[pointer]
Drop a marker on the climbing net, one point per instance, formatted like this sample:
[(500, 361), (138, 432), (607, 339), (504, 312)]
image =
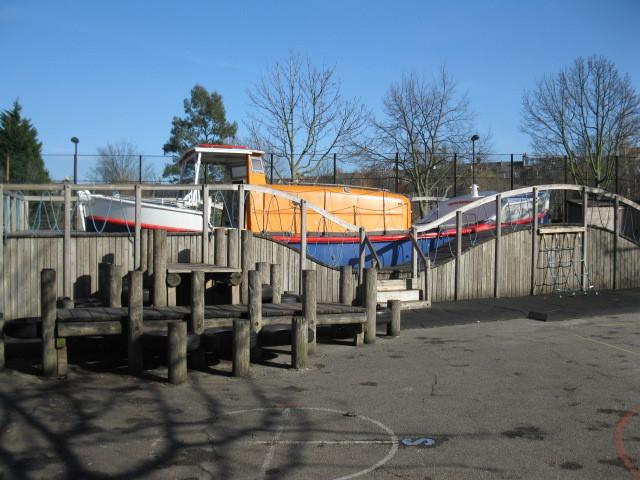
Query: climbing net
[(561, 264)]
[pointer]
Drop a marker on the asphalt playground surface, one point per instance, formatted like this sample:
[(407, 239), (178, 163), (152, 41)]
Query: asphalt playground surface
[(469, 390)]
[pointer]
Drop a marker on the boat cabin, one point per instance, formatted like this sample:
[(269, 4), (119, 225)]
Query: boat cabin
[(211, 163)]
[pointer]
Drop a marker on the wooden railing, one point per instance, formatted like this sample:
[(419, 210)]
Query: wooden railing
[(137, 189), (584, 191)]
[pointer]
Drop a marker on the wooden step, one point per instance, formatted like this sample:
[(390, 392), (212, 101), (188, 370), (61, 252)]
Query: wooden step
[(402, 295), (395, 284)]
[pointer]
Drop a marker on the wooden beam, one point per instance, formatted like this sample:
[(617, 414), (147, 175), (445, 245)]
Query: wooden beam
[(137, 250), (299, 343), (48, 319), (220, 246), (67, 277), (206, 207), (584, 274), (346, 285), (160, 268), (371, 292), (177, 352), (276, 283), (310, 305), (135, 325), (196, 322), (241, 348), (393, 327)]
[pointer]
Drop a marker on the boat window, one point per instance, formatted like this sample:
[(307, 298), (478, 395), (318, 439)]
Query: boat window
[(187, 175), (256, 165), (239, 172)]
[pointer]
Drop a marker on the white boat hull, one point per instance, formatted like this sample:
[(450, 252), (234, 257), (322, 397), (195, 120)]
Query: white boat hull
[(514, 210), (118, 213)]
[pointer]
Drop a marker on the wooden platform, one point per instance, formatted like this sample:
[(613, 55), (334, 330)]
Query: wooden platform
[(86, 321)]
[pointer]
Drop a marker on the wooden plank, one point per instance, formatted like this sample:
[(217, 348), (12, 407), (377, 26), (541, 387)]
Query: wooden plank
[(81, 329)]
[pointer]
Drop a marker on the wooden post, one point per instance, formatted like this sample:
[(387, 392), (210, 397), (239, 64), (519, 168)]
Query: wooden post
[(137, 254), (299, 343), (616, 238), (114, 286), (67, 280), (361, 258), (103, 283), (427, 280), (241, 348), (2, 362), (48, 318), (263, 268), (160, 268), (247, 264), (206, 207), (303, 241), (135, 325), (196, 319), (144, 247), (498, 248), (310, 305), (233, 254), (241, 207), (220, 247), (346, 285), (177, 352), (255, 300), (371, 291), (12, 220), (534, 239), (585, 221), (458, 260), (232, 248), (414, 257), (150, 256), (276, 283), (393, 327)]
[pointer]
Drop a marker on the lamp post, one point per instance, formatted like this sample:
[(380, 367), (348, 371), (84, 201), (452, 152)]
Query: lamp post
[(75, 141), (473, 158)]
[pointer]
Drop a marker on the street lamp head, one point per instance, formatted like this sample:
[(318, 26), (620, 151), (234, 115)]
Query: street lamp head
[(475, 137), (75, 140)]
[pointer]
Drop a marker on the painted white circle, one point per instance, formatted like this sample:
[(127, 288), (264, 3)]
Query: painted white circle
[(391, 439)]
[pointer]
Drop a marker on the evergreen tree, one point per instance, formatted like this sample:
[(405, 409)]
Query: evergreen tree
[(205, 121), (20, 150)]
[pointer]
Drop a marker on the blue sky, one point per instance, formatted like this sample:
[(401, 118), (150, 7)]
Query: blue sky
[(120, 69)]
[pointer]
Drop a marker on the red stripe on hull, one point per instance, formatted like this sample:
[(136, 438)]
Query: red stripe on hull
[(151, 226)]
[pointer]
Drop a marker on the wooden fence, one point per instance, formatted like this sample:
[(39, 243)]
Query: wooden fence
[(26, 255), (611, 260)]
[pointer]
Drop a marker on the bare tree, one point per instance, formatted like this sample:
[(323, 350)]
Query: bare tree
[(426, 121), (587, 112), (301, 116), (120, 163)]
